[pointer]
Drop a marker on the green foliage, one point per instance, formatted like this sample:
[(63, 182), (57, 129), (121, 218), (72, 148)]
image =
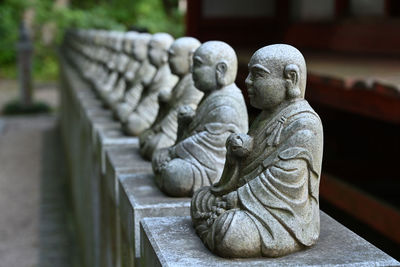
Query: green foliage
[(15, 108), (10, 13), (98, 14), (151, 14)]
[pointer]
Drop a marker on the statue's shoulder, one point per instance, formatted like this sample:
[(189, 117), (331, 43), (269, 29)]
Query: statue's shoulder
[(231, 91), (302, 112), (230, 95)]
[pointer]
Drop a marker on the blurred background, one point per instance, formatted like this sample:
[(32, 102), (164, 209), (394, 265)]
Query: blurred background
[(47, 20), (352, 49)]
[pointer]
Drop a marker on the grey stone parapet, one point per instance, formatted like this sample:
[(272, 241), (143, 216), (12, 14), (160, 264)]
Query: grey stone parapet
[(172, 241), (122, 218), (140, 198), (112, 185)]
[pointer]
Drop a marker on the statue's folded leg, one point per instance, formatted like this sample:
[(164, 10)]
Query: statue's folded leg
[(177, 178), (153, 142), (136, 124), (123, 111), (234, 234)]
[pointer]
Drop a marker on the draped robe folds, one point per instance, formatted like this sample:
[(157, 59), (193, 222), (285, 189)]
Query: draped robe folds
[(135, 82), (120, 86), (218, 115), (146, 111), (164, 130), (277, 190), (112, 75)]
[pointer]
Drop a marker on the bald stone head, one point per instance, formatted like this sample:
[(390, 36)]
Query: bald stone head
[(180, 55), (277, 73), (116, 41), (158, 48), (214, 66), (129, 38), (140, 46)]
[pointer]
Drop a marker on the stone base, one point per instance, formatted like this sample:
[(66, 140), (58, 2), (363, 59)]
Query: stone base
[(123, 160), (110, 135), (172, 241), (120, 159), (110, 146), (141, 198)]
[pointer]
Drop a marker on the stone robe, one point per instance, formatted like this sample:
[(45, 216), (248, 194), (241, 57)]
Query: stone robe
[(277, 190), (164, 130), (146, 111), (126, 65), (135, 82), (202, 146)]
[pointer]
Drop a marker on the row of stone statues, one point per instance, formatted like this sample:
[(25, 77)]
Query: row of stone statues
[(254, 190)]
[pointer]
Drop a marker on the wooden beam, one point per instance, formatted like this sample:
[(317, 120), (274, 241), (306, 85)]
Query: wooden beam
[(193, 17), (341, 8), (373, 212), (378, 103)]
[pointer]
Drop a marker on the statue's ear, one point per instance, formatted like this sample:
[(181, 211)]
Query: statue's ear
[(292, 74), (221, 69)]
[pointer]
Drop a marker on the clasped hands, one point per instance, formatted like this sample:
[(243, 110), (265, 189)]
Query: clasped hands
[(162, 157), (219, 206)]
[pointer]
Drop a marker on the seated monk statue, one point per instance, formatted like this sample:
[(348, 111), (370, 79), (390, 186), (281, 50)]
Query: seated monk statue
[(138, 80), (115, 42), (198, 156), (126, 64), (163, 81), (266, 201), (164, 130)]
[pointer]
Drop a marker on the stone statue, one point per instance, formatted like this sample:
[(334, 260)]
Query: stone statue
[(266, 202), (127, 66), (138, 80), (198, 157), (164, 130), (163, 81), (115, 42)]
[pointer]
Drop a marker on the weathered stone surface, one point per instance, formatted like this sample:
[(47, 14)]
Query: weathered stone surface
[(116, 44), (198, 157), (137, 81), (124, 159), (120, 159), (81, 108), (266, 201), (111, 135), (163, 81), (109, 138), (140, 198), (126, 64), (172, 241), (164, 130)]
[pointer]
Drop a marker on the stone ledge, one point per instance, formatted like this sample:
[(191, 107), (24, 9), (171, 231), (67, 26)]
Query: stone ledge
[(110, 135), (140, 198), (123, 159), (172, 241)]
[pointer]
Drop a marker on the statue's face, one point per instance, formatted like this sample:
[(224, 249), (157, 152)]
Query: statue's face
[(118, 43), (139, 50), (156, 53), (265, 84), (178, 60), (204, 73), (127, 45)]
